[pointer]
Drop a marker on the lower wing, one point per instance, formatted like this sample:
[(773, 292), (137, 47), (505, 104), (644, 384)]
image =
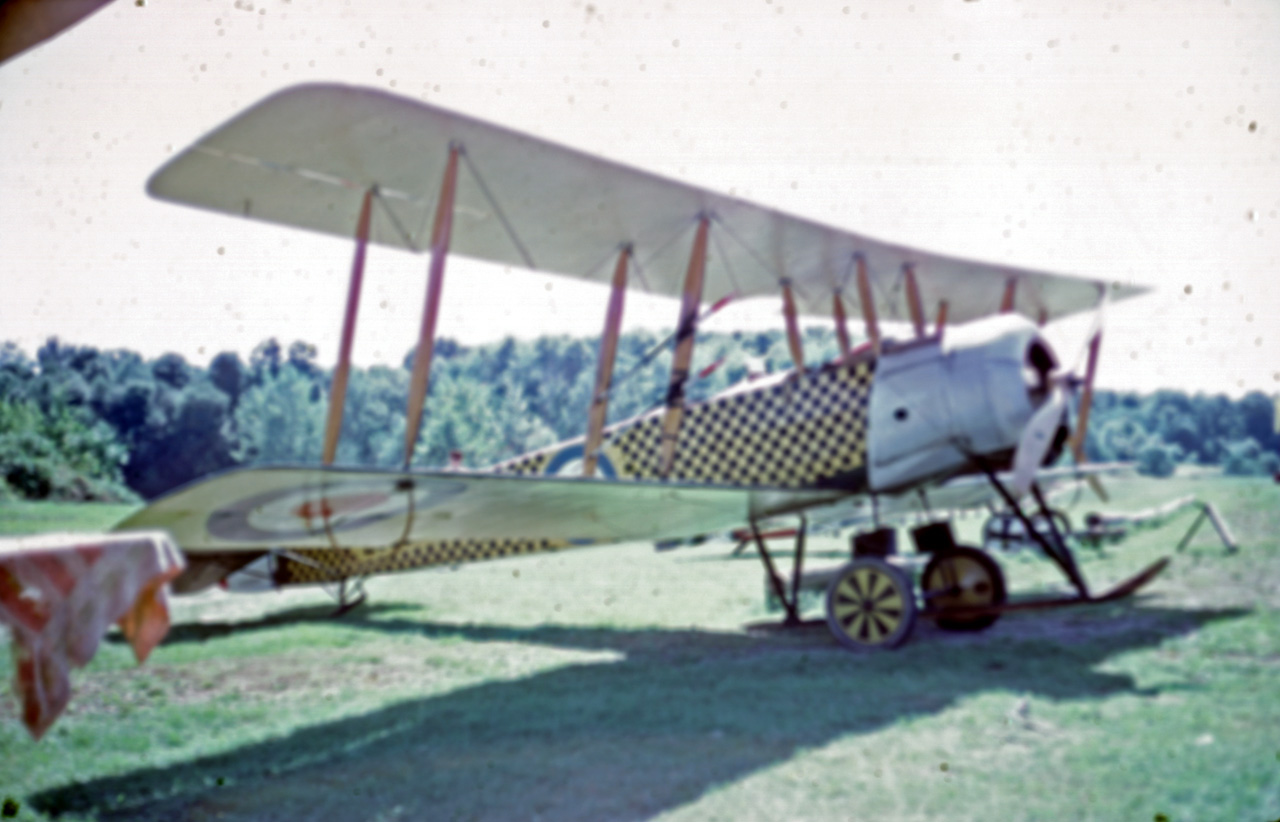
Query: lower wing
[(257, 509)]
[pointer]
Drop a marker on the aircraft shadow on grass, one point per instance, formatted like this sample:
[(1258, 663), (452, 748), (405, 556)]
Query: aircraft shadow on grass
[(681, 713)]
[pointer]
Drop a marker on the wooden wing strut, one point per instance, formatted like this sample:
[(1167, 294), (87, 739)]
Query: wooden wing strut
[(793, 325), (338, 392), (1010, 294), (842, 325), (913, 299), (685, 332), (868, 305), (599, 409), (440, 233)]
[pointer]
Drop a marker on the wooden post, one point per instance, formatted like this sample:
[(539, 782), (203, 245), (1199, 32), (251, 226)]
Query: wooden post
[(842, 325), (913, 299), (941, 322), (338, 391), (599, 408), (685, 331), (1010, 292), (868, 305), (440, 233), (793, 325)]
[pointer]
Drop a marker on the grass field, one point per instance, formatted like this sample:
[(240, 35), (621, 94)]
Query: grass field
[(617, 683)]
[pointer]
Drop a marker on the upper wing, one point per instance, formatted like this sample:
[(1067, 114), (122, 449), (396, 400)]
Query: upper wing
[(261, 508), (305, 156)]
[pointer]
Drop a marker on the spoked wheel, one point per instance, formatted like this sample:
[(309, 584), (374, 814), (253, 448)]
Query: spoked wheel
[(870, 604), (963, 578)]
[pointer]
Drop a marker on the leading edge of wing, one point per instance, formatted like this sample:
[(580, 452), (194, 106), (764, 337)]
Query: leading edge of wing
[(304, 157), (287, 507)]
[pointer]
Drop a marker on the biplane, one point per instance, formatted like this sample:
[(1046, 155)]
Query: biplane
[(966, 404)]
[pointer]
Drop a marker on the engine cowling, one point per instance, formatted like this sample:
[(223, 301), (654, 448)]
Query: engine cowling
[(938, 402)]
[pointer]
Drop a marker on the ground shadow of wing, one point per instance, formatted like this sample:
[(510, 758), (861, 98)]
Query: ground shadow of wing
[(202, 631), (623, 739)]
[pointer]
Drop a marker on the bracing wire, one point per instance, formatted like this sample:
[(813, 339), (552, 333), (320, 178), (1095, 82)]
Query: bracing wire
[(497, 209)]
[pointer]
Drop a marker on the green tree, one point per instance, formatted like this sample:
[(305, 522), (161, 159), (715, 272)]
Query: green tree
[(1157, 458), (59, 453), (279, 420), (1246, 458)]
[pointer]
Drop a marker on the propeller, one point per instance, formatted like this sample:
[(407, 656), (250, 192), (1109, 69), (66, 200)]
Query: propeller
[(1041, 433), (1036, 440)]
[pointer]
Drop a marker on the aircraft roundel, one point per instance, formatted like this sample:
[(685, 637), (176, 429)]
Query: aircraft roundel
[(568, 463), (307, 510)]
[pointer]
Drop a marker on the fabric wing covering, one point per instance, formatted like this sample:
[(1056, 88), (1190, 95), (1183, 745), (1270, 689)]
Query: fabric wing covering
[(305, 156)]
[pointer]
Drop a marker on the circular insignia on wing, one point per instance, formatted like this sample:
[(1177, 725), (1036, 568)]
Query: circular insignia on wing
[(307, 510), (568, 463)]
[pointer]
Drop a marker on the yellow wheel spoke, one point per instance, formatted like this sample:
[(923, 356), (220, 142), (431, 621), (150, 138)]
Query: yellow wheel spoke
[(889, 594), (843, 610), (871, 631), (870, 604), (864, 580)]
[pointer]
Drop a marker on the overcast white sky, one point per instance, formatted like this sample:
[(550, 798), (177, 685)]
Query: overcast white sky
[(1132, 141)]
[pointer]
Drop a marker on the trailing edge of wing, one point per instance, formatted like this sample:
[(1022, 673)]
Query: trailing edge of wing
[(305, 156)]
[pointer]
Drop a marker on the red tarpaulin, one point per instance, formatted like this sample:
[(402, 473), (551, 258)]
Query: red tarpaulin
[(59, 593)]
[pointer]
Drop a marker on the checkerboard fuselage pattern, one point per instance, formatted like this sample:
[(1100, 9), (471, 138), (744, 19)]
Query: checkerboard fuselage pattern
[(809, 430), (321, 565)]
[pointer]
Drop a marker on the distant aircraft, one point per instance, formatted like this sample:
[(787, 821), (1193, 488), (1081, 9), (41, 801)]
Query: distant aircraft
[(966, 408)]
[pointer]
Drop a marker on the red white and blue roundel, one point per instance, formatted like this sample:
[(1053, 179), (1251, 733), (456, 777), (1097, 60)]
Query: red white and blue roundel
[(340, 505)]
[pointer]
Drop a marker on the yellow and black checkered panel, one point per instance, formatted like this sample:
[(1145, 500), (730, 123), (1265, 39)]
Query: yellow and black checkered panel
[(808, 430), (320, 565), (528, 465)]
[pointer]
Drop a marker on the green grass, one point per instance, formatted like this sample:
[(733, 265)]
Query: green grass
[(618, 683), (39, 517)]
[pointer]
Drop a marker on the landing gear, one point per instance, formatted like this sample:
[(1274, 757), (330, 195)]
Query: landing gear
[(1005, 531), (350, 595), (870, 604), (963, 578)]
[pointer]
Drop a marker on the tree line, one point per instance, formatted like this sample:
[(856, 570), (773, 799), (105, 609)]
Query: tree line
[(80, 423)]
